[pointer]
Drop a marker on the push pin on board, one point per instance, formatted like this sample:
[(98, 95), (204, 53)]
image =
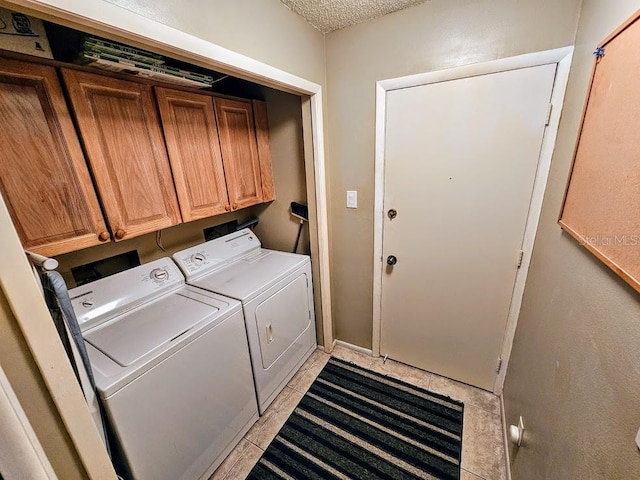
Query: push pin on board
[(599, 52)]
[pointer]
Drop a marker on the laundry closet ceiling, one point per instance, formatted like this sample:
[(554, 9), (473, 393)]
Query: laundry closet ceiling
[(329, 15)]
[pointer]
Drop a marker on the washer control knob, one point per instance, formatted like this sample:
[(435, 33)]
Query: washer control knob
[(159, 274), (198, 259), (87, 303)]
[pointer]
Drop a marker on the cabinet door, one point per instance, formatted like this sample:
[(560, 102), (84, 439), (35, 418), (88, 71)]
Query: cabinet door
[(189, 125), (43, 175), (239, 152), (264, 151), (121, 132)]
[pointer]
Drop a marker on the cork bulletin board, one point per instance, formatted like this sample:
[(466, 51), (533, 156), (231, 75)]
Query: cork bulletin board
[(601, 208)]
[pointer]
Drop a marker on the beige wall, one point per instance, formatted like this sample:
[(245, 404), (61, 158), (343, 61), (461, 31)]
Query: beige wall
[(262, 29), (278, 229), (431, 36), (574, 371)]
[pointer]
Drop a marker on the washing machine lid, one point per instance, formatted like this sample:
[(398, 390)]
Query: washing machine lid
[(137, 334), (250, 275)]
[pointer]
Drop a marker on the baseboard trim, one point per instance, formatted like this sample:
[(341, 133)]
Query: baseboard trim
[(353, 347), (505, 438)]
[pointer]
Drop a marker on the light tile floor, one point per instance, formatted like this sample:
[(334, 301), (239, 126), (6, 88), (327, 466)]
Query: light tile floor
[(483, 456)]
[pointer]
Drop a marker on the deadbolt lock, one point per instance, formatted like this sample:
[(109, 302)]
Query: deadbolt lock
[(392, 260), (392, 213)]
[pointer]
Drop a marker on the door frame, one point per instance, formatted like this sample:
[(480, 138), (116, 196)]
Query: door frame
[(560, 56)]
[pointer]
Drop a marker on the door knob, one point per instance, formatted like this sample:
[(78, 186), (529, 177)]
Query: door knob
[(392, 260), (392, 213)]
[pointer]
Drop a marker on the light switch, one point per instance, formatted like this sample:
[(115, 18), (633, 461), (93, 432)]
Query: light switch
[(352, 199)]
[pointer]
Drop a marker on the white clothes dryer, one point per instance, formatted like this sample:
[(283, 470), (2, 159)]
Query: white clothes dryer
[(172, 366), (276, 292)]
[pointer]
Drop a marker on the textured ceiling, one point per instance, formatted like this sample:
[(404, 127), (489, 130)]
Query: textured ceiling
[(329, 15)]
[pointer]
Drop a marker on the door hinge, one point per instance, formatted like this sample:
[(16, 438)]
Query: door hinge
[(549, 110), (520, 257), (499, 365)]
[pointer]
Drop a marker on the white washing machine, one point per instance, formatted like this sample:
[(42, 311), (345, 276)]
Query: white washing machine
[(172, 366), (276, 292)]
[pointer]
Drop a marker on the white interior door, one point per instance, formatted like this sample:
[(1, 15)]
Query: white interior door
[(460, 164)]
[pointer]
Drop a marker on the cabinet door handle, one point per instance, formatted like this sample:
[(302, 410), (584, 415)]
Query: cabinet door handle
[(235, 206), (104, 236), (227, 208), (120, 234)]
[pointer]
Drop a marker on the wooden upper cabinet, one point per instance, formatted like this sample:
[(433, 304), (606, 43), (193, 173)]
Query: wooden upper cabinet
[(264, 151), (239, 151), (43, 175), (189, 124), (121, 131)]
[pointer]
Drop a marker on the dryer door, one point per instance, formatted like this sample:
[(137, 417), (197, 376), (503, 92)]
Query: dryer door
[(281, 318)]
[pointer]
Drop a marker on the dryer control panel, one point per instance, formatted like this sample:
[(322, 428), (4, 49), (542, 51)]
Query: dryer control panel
[(103, 299), (216, 253)]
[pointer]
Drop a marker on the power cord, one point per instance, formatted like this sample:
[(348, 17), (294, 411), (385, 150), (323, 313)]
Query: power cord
[(159, 240)]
